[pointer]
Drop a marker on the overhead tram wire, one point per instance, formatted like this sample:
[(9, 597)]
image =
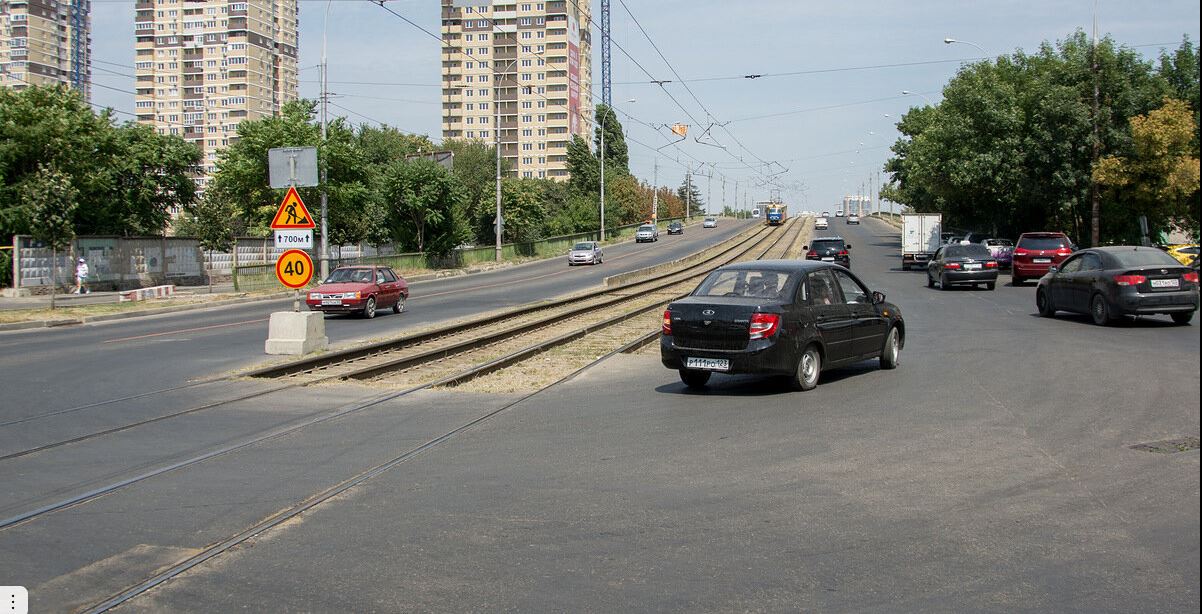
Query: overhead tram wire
[(710, 116)]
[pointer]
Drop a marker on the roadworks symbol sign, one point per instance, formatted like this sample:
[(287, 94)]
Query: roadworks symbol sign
[(292, 213)]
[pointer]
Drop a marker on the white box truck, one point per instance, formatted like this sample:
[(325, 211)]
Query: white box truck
[(920, 238)]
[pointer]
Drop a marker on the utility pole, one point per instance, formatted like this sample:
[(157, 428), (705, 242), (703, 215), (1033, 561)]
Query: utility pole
[(602, 153), (325, 101), (736, 198), (724, 207), (709, 190), (688, 192), (498, 222), (655, 194)]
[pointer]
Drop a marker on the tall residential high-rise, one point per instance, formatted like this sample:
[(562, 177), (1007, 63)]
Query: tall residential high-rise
[(204, 66), (520, 72), (46, 42)]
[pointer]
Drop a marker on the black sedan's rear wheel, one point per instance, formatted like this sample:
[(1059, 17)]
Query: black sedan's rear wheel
[(369, 308), (891, 353), (930, 280), (805, 376), (943, 282), (990, 285), (695, 380), (1100, 311), (1183, 317)]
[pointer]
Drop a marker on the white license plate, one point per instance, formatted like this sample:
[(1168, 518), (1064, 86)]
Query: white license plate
[(709, 364), (331, 302), (972, 267), (1165, 283), (1041, 260), (828, 259)]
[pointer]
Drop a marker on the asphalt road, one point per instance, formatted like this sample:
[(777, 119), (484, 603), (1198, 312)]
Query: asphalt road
[(48, 369), (991, 471)]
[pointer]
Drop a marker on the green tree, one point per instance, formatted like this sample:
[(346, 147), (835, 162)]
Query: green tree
[(524, 206), (52, 200), (475, 166), (583, 167), (241, 179), (131, 177), (1159, 179), (688, 192), (616, 154), (423, 203)]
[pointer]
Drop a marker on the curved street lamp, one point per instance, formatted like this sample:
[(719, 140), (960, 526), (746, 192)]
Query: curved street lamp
[(909, 93), (948, 41)]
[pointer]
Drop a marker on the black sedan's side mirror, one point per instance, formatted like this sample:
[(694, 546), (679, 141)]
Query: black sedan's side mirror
[(877, 298), (847, 245), (1053, 269), (805, 247)]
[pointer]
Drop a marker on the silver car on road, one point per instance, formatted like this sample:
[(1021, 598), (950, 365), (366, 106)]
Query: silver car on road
[(585, 252)]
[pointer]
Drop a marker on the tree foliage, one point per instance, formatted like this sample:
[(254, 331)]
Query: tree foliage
[(423, 206), (1009, 149), (130, 177)]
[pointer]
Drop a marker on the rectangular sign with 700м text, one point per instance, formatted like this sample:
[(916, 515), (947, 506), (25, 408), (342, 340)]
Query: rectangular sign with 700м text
[(294, 239)]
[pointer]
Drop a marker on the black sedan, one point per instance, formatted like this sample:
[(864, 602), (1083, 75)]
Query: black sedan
[(1110, 282), (829, 249), (967, 264), (675, 228), (779, 317)]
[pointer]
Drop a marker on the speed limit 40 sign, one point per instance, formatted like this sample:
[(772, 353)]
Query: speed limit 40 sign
[(294, 268)]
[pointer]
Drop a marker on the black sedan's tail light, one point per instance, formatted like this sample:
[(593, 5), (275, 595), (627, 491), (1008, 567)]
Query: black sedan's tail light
[(1191, 277), (667, 327), (763, 325)]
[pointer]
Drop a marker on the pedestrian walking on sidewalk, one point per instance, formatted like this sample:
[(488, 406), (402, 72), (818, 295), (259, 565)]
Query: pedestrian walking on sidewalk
[(81, 277)]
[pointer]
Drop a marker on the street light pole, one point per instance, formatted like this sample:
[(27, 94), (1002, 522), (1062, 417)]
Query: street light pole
[(602, 153), (325, 98), (496, 114), (909, 93), (948, 41)]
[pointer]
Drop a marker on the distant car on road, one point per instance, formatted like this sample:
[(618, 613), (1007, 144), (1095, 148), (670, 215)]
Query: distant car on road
[(710, 222), (853, 219), (964, 264), (1002, 250), (646, 233), (839, 213), (585, 252), (1185, 253), (829, 249), (1036, 252), (1110, 282), (825, 214), (359, 289), (821, 224), (675, 228), (779, 317)]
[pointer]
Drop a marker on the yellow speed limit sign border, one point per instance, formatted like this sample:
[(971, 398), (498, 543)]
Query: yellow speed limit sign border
[(294, 269)]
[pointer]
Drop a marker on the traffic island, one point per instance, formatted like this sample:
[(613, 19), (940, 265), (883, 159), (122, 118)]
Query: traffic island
[(296, 333)]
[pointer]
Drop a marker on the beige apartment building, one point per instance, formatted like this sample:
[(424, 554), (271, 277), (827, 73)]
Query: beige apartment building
[(520, 72), (204, 66), (46, 42)]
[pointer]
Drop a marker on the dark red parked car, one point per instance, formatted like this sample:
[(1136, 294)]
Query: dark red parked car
[(360, 289), (1036, 252)]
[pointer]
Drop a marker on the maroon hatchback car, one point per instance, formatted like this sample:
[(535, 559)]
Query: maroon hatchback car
[(360, 289), (1036, 252)]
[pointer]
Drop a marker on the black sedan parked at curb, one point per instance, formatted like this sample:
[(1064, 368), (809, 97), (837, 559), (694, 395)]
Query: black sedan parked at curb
[(1111, 282), (779, 317), (967, 264)]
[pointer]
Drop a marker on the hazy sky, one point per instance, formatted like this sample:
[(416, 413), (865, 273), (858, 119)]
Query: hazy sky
[(833, 122)]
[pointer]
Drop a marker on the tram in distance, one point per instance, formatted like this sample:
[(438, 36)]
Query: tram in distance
[(776, 214)]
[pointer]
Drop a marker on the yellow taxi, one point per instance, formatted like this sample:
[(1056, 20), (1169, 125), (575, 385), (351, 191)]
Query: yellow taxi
[(1183, 252)]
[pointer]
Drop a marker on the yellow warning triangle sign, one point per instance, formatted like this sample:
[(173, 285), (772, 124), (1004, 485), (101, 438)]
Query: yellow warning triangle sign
[(292, 213)]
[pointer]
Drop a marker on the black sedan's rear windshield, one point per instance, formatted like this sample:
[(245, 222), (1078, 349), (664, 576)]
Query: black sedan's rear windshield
[(744, 283), (967, 251), (1144, 257), (828, 244)]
